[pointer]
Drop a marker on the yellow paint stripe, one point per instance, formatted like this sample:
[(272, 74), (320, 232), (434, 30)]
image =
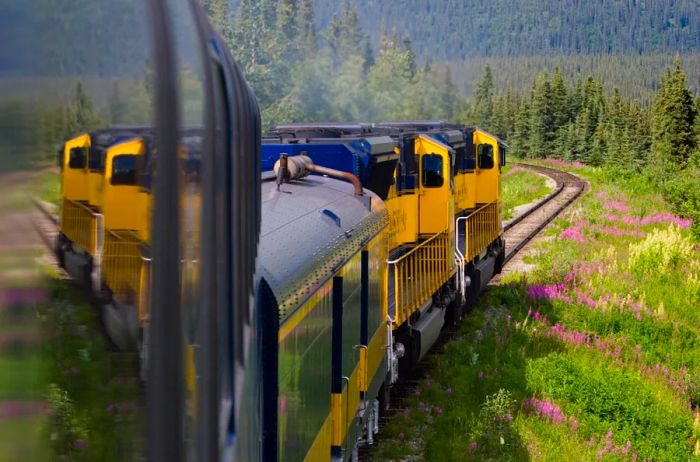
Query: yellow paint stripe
[(336, 419), (288, 326), (320, 450)]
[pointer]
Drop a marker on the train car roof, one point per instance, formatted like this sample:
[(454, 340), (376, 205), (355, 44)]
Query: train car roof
[(321, 129), (309, 229)]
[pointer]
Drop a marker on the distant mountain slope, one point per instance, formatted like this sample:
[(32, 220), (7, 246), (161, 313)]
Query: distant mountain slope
[(457, 29)]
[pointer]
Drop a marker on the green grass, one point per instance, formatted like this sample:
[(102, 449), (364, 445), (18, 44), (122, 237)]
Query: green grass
[(94, 391), (22, 439), (521, 187), (22, 377), (48, 187), (614, 349)]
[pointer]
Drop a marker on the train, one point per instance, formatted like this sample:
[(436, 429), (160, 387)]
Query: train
[(284, 282)]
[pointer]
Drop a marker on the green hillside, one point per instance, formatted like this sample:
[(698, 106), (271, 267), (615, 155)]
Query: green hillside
[(454, 29)]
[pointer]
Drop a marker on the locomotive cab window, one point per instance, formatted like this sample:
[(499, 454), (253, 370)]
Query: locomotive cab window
[(77, 158), (432, 171), (469, 159), (485, 155), (124, 170), (502, 155), (96, 161)]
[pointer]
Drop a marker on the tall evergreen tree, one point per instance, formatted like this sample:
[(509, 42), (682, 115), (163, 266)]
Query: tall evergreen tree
[(483, 99), (674, 113), (118, 108), (560, 109), (307, 28), (288, 30), (85, 116), (219, 12), (542, 129), (345, 36), (519, 141)]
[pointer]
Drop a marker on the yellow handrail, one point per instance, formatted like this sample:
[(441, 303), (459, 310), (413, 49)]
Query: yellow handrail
[(419, 273), (79, 225), (482, 227), (124, 269)]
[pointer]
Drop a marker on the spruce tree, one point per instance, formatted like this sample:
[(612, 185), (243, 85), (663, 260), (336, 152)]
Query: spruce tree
[(85, 117), (118, 108), (287, 30), (483, 99), (307, 28), (542, 129), (559, 100), (519, 141), (219, 12), (674, 114)]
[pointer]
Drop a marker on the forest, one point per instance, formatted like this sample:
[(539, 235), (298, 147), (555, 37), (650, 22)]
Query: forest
[(301, 71), (575, 120), (454, 29)]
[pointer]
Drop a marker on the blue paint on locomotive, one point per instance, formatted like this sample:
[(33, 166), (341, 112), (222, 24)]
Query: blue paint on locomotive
[(372, 159)]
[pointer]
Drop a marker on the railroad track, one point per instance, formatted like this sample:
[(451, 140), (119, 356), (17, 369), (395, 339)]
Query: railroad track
[(518, 233), (45, 222)]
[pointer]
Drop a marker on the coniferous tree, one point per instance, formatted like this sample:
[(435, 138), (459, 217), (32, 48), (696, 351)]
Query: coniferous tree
[(84, 115), (541, 119), (559, 98), (307, 28), (674, 113), (118, 108), (219, 12), (519, 141), (288, 31), (483, 99), (345, 35)]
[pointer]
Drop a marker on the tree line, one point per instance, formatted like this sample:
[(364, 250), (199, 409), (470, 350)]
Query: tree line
[(458, 29), (582, 122)]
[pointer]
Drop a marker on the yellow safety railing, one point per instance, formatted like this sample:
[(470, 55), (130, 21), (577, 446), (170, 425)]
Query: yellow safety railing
[(123, 268), (419, 273), (80, 225), (483, 226)]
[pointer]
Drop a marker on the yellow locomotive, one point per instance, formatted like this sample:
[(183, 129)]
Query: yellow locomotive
[(440, 187), (105, 224), (355, 283)]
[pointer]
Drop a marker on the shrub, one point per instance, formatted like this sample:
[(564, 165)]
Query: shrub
[(496, 432), (692, 387), (660, 252)]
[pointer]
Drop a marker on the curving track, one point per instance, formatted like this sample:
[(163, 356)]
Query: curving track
[(518, 233)]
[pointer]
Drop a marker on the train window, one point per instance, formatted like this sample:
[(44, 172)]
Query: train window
[(502, 155), (432, 171), (96, 160), (124, 170), (470, 159), (78, 158), (485, 152)]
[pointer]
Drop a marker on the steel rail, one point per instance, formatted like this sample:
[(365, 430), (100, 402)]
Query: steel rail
[(538, 206)]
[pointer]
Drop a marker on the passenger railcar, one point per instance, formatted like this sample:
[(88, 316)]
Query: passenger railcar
[(321, 270)]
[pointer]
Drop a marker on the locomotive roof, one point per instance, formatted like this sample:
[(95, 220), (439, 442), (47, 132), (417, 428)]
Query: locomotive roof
[(309, 229)]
